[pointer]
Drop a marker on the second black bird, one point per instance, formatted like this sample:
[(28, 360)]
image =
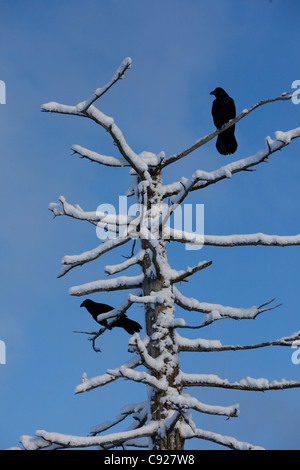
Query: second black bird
[(95, 309), (223, 109)]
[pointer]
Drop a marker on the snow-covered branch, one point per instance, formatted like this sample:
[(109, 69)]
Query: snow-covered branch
[(97, 158), (138, 376), (216, 311), (134, 160), (135, 344), (114, 269), (87, 109), (231, 240), (119, 310), (150, 158), (173, 158), (201, 345), (101, 380), (69, 441), (139, 415), (76, 212), (135, 409), (185, 401), (178, 276), (71, 261), (119, 73), (107, 285), (201, 179), (187, 432), (153, 298), (258, 385)]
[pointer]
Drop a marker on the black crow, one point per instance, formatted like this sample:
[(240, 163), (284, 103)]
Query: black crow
[(95, 309), (223, 109)]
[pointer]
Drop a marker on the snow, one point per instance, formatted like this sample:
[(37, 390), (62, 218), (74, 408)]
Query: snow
[(148, 299), (113, 269), (231, 240), (92, 254), (214, 311), (70, 262), (33, 442), (201, 178), (64, 208), (187, 433), (121, 282), (89, 441), (187, 401), (96, 157), (152, 159), (203, 344), (54, 107), (248, 383), (135, 409), (103, 379), (126, 63)]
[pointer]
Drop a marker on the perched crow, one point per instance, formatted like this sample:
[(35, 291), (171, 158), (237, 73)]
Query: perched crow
[(96, 309), (223, 109)]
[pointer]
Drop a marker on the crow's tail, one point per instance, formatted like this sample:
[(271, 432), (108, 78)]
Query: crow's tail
[(130, 326), (226, 142)]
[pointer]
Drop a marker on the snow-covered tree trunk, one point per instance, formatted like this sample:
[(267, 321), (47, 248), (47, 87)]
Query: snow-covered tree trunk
[(162, 347), (163, 421)]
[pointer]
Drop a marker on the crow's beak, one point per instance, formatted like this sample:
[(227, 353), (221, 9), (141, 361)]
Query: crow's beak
[(213, 93), (81, 305)]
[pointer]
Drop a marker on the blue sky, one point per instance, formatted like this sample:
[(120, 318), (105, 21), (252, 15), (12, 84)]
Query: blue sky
[(62, 51)]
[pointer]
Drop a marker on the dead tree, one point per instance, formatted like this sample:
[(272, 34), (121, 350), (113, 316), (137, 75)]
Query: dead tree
[(164, 420)]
